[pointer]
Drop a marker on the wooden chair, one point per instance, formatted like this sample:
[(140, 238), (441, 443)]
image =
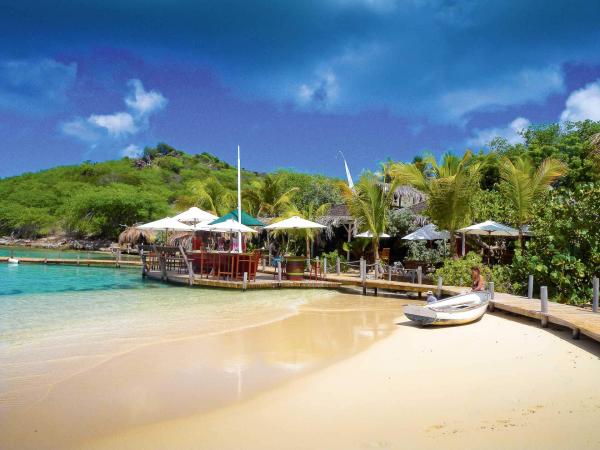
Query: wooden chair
[(226, 263)]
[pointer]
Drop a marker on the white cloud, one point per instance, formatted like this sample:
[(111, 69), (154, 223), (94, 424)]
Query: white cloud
[(583, 104), (132, 151), (511, 132), (142, 101), (35, 86), (80, 129), (529, 85), (320, 93), (118, 125)]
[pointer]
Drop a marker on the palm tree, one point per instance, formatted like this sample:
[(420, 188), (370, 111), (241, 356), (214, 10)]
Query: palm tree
[(209, 195), (268, 197), (449, 185), (369, 202), (522, 184)]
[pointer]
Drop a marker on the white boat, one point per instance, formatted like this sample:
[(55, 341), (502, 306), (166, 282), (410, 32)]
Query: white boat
[(13, 261), (463, 308)]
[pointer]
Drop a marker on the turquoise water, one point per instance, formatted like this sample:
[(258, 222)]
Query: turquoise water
[(41, 278), (32, 252)]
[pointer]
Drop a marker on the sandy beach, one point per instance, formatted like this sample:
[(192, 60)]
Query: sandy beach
[(498, 383), (345, 372)]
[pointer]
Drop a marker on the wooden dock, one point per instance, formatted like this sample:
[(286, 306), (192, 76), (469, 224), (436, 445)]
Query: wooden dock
[(578, 319), (263, 281), (77, 262)]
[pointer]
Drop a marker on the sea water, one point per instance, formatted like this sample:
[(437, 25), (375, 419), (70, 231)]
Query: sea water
[(59, 320)]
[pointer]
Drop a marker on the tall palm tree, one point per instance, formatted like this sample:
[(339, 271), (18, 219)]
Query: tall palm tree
[(522, 184), (449, 185), (268, 197), (369, 202)]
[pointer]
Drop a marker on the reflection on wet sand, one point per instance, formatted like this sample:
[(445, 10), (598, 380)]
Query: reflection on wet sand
[(175, 379)]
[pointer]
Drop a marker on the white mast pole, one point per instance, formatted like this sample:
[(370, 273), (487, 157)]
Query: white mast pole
[(239, 198)]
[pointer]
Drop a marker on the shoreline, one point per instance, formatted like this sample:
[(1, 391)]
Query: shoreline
[(159, 381), (538, 395)]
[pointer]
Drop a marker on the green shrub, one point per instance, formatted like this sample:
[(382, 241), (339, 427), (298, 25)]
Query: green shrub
[(457, 272)]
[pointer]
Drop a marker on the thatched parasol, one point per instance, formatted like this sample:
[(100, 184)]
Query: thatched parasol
[(133, 235)]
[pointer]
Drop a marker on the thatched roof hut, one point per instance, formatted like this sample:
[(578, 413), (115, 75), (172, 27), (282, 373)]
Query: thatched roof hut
[(133, 236)]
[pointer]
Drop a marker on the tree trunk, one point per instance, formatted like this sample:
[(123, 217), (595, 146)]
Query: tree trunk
[(521, 240), (307, 247), (453, 245)]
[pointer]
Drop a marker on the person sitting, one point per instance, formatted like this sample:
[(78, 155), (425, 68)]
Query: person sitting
[(478, 281), (431, 298)]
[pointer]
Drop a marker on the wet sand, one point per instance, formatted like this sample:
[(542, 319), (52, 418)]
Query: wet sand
[(184, 377), (498, 383)]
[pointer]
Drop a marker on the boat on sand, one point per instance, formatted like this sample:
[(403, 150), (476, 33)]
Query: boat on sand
[(456, 310)]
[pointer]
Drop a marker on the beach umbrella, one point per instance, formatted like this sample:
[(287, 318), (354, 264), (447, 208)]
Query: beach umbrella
[(368, 234), (247, 219), (294, 223), (166, 224), (490, 228), (230, 226), (427, 233), (195, 215)]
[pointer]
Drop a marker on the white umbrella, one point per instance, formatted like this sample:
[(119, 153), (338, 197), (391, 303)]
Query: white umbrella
[(427, 233), (368, 234), (195, 215), (166, 224), (488, 228), (230, 226), (294, 223)]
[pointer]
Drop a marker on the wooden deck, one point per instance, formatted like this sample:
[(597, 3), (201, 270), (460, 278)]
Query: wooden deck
[(263, 281), (579, 320), (77, 262)]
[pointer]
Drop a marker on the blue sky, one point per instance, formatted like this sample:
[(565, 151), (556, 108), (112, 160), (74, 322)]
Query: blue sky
[(291, 82)]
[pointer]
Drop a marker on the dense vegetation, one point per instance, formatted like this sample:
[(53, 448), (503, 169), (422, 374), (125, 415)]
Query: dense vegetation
[(96, 200), (550, 182)]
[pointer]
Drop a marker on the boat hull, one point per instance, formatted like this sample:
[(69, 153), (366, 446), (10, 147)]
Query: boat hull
[(457, 310)]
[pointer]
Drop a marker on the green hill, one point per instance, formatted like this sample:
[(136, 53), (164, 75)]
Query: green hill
[(96, 200)]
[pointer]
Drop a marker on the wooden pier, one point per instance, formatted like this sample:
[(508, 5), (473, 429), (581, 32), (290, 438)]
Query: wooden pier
[(581, 321), (77, 262), (263, 281)]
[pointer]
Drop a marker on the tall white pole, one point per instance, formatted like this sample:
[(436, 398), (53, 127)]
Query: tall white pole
[(239, 199)]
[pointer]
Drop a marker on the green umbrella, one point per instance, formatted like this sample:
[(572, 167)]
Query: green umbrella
[(247, 219)]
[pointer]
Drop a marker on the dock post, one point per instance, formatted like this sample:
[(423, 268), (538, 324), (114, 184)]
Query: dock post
[(363, 275), (324, 267), (595, 294), (337, 266), (419, 275), (245, 281), (439, 287), (279, 271), (143, 265), (491, 289), (389, 273), (544, 308), (530, 286)]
